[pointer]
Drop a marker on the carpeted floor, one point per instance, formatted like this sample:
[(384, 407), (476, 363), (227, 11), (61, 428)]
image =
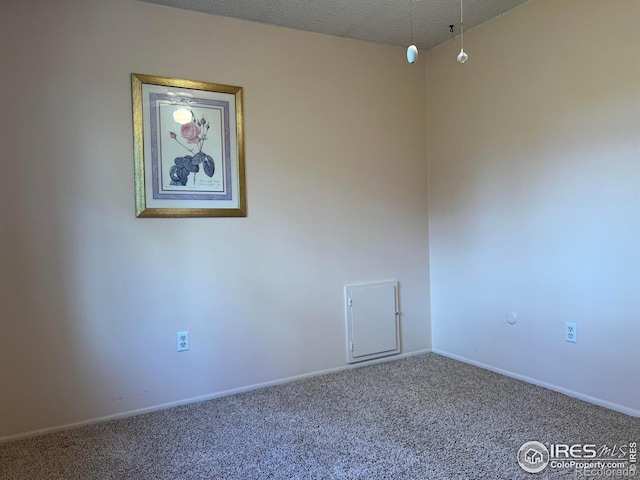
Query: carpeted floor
[(424, 417)]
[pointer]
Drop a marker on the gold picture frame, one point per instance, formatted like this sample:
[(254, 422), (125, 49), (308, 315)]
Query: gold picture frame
[(188, 139)]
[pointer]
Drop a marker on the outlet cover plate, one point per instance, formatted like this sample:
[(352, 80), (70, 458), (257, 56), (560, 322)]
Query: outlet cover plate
[(182, 341), (571, 332)]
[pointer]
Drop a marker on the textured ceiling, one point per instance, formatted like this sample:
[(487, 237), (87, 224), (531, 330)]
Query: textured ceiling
[(379, 21)]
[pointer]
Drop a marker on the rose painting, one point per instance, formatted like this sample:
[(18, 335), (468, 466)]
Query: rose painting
[(195, 133), (189, 147)]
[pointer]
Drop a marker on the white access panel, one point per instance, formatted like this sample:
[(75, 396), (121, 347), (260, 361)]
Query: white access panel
[(372, 320)]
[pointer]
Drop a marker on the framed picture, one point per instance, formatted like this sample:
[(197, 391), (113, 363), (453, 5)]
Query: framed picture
[(188, 148)]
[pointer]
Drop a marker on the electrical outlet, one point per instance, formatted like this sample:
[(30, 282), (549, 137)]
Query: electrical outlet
[(182, 341), (571, 332)]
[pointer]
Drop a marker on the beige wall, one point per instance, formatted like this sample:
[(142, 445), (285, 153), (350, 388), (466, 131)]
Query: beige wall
[(534, 191), (92, 297)]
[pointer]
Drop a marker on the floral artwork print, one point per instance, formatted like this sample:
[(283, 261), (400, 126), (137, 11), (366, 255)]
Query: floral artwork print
[(188, 145), (194, 133), (189, 148)]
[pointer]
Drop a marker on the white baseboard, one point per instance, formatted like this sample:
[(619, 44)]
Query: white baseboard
[(570, 393), (203, 398)]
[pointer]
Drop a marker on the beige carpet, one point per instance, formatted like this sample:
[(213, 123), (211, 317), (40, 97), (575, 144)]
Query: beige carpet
[(424, 417)]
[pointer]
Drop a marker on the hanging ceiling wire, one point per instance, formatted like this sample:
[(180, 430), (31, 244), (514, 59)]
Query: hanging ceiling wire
[(412, 51), (462, 56)]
